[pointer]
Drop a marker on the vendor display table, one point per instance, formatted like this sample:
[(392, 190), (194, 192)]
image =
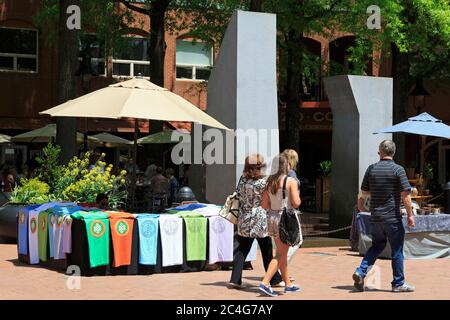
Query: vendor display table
[(429, 239), (220, 234), (80, 256)]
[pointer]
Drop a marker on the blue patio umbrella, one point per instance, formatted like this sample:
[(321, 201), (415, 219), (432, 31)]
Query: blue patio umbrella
[(424, 124)]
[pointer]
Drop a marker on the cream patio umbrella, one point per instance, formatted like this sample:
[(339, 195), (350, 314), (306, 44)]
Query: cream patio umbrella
[(136, 98), (4, 138)]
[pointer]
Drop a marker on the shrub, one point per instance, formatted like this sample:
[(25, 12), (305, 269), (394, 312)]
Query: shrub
[(31, 191)]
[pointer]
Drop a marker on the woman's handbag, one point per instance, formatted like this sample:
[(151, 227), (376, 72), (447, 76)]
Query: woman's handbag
[(230, 210), (290, 227)]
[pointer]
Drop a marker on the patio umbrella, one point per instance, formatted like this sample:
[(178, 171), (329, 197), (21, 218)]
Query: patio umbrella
[(44, 135), (165, 136), (424, 125), (111, 141), (136, 98), (4, 138)]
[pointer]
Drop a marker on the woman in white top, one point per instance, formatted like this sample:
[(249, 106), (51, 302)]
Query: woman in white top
[(272, 201)]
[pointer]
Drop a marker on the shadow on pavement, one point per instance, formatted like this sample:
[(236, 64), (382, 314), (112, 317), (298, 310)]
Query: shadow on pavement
[(352, 289), (17, 263), (245, 288), (254, 278)]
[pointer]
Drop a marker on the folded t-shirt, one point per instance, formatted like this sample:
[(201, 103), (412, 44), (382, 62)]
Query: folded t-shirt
[(97, 231), (122, 236), (171, 231), (148, 226)]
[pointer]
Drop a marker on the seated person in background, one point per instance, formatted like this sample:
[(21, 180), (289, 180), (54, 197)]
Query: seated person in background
[(150, 171), (159, 185), (8, 181), (102, 201)]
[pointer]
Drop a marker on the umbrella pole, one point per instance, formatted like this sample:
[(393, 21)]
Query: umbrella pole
[(422, 154), (133, 176)]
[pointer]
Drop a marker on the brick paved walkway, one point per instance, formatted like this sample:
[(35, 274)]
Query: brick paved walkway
[(323, 273)]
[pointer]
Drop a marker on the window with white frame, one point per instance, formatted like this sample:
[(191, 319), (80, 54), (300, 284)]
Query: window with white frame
[(132, 58), (194, 60), (92, 55), (18, 49)]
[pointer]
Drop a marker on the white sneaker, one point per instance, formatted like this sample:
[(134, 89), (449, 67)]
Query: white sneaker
[(404, 288)]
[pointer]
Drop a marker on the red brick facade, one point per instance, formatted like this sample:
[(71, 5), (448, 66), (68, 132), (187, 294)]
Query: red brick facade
[(23, 95)]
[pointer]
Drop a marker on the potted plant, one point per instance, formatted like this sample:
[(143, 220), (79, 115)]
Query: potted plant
[(323, 187), (78, 181), (30, 191), (427, 174)]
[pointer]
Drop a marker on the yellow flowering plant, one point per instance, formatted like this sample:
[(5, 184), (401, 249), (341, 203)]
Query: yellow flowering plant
[(81, 182), (78, 181)]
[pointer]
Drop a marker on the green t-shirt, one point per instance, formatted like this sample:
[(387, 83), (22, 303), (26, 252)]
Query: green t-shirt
[(42, 235), (97, 230), (195, 235)]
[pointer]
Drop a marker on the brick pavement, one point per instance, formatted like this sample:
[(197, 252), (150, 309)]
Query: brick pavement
[(323, 273)]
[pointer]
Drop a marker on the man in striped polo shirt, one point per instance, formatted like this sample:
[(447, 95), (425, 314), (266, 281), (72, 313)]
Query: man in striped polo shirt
[(387, 185)]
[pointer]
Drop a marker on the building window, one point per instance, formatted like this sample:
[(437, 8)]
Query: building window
[(18, 50), (92, 55), (194, 60), (132, 59)]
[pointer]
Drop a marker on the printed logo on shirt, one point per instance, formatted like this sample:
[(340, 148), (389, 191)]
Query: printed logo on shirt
[(22, 217), (97, 228), (68, 221), (52, 220), (170, 227), (148, 229), (59, 221), (33, 225), (194, 227), (122, 228), (218, 225), (43, 224)]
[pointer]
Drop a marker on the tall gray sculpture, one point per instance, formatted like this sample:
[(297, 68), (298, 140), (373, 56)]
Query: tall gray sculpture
[(361, 105), (242, 94)]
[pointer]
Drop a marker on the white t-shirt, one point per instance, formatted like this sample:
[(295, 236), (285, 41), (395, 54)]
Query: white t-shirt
[(171, 231)]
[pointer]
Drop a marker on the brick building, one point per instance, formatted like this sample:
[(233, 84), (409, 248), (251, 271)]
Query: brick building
[(29, 73)]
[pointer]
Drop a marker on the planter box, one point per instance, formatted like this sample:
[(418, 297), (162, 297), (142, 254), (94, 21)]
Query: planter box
[(8, 220)]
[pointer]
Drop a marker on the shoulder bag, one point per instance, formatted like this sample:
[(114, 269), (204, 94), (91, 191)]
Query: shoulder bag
[(230, 210), (290, 229)]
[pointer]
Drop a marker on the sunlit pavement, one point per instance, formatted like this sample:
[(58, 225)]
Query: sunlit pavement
[(322, 273)]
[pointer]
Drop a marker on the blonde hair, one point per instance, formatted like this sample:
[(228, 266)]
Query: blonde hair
[(279, 168), (292, 157)]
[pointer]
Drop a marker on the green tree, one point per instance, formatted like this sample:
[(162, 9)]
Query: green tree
[(52, 19)]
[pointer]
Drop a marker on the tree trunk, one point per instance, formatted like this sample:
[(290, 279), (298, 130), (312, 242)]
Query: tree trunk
[(293, 85), (402, 82), (256, 5), (68, 65), (157, 50)]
